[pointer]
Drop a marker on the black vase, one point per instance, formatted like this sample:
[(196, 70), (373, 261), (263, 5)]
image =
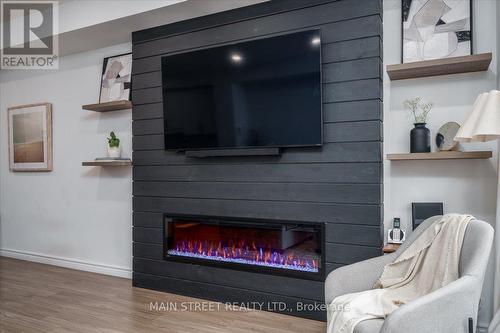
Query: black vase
[(420, 139)]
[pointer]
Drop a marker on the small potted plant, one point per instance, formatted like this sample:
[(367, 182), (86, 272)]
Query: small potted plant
[(114, 148), (420, 136)]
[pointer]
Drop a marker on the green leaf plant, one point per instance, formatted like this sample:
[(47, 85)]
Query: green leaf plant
[(113, 141)]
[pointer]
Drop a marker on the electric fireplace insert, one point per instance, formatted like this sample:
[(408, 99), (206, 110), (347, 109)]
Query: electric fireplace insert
[(265, 246)]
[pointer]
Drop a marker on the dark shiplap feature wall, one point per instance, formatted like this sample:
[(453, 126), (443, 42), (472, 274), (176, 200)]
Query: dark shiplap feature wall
[(340, 184)]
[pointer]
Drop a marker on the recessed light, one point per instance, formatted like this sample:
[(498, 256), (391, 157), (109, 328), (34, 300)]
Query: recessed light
[(236, 57), (316, 41)]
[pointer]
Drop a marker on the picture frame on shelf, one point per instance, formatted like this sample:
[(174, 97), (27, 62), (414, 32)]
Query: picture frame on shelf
[(30, 137), (116, 78), (436, 29)]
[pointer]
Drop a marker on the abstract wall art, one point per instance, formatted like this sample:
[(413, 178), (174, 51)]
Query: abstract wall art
[(116, 78), (435, 29), (30, 137)]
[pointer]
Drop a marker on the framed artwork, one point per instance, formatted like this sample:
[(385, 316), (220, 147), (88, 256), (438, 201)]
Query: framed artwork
[(116, 78), (30, 137), (436, 29)]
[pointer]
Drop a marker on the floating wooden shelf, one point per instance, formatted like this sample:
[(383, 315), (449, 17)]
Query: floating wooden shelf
[(107, 163), (455, 65), (108, 106), (390, 248), (445, 155)]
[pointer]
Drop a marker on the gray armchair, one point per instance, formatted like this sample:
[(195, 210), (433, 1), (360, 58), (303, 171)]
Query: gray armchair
[(446, 310)]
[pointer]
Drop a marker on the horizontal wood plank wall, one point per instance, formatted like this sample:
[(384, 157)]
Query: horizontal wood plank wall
[(339, 184)]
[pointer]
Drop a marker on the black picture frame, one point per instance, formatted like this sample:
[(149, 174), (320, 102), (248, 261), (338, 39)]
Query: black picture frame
[(420, 211), (471, 6), (104, 65)]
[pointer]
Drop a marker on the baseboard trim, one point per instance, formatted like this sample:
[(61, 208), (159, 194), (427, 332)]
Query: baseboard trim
[(68, 263)]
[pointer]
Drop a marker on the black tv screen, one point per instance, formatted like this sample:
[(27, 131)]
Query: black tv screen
[(260, 93)]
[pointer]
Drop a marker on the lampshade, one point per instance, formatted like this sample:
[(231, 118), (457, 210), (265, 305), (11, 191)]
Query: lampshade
[(483, 124)]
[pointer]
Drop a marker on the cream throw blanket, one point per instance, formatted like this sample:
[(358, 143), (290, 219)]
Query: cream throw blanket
[(429, 263)]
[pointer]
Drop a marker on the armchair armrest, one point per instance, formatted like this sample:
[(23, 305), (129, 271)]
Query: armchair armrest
[(356, 277), (445, 310)]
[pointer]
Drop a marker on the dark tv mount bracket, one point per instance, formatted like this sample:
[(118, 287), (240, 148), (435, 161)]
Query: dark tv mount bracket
[(233, 152)]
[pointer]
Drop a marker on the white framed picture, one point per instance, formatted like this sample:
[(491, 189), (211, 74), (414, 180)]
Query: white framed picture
[(30, 137), (436, 29), (116, 78)]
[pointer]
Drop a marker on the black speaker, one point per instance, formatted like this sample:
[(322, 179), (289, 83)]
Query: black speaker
[(424, 210)]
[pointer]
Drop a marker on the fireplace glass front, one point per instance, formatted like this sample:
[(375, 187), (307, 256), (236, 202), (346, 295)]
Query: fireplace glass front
[(279, 247)]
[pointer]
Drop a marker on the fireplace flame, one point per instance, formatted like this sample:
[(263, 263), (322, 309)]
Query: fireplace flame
[(244, 253)]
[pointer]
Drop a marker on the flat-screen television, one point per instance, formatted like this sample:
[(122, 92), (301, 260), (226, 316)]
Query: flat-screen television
[(258, 93)]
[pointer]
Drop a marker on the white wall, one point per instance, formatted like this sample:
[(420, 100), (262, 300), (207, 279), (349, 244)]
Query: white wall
[(498, 43), (78, 14), (463, 186), (77, 216), (81, 215)]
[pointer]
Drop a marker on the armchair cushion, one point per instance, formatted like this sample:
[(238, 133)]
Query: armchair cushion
[(445, 310), (369, 326), (356, 277)]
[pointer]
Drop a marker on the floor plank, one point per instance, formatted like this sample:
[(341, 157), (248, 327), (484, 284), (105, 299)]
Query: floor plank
[(42, 298)]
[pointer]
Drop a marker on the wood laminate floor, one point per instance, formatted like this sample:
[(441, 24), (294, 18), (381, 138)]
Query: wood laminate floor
[(42, 298)]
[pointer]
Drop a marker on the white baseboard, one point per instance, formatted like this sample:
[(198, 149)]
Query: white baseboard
[(68, 263)]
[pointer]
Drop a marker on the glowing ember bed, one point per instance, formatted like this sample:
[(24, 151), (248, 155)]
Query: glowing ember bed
[(267, 246)]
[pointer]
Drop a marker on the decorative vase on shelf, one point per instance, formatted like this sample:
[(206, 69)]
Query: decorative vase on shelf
[(114, 152), (114, 147), (420, 139)]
